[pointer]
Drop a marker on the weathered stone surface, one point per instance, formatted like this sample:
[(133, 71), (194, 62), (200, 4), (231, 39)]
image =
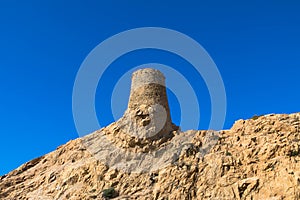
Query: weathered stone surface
[(256, 159), (144, 156)]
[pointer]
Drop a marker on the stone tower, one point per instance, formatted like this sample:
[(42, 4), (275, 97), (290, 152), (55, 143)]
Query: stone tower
[(148, 114)]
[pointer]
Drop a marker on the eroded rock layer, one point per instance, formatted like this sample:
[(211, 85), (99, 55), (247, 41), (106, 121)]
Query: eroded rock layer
[(257, 158)]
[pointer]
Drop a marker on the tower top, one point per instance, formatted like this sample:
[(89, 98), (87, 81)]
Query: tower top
[(147, 76)]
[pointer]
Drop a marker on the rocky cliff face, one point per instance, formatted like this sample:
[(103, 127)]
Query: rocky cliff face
[(145, 156), (257, 158)]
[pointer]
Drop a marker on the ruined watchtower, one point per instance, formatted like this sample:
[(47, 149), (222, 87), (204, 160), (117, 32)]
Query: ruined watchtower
[(148, 113)]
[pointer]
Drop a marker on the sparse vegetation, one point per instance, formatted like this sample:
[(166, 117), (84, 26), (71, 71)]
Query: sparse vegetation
[(255, 117), (294, 153), (109, 193), (227, 153)]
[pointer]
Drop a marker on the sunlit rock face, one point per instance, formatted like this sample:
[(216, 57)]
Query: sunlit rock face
[(142, 156)]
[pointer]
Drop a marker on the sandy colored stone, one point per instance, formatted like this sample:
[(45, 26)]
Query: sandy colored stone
[(256, 159)]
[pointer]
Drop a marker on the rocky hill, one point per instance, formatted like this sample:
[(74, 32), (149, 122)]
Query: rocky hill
[(257, 158), (144, 155)]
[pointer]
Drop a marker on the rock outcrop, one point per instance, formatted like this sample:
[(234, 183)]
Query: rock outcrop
[(257, 158)]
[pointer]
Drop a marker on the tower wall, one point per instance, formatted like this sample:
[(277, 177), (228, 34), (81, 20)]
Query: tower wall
[(148, 109)]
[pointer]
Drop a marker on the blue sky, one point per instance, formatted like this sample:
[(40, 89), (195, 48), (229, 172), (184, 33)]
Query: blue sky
[(255, 44)]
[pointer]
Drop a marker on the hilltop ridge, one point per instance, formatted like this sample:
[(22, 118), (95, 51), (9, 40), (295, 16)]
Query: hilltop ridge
[(257, 158)]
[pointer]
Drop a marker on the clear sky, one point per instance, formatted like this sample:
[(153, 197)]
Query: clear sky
[(255, 44)]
